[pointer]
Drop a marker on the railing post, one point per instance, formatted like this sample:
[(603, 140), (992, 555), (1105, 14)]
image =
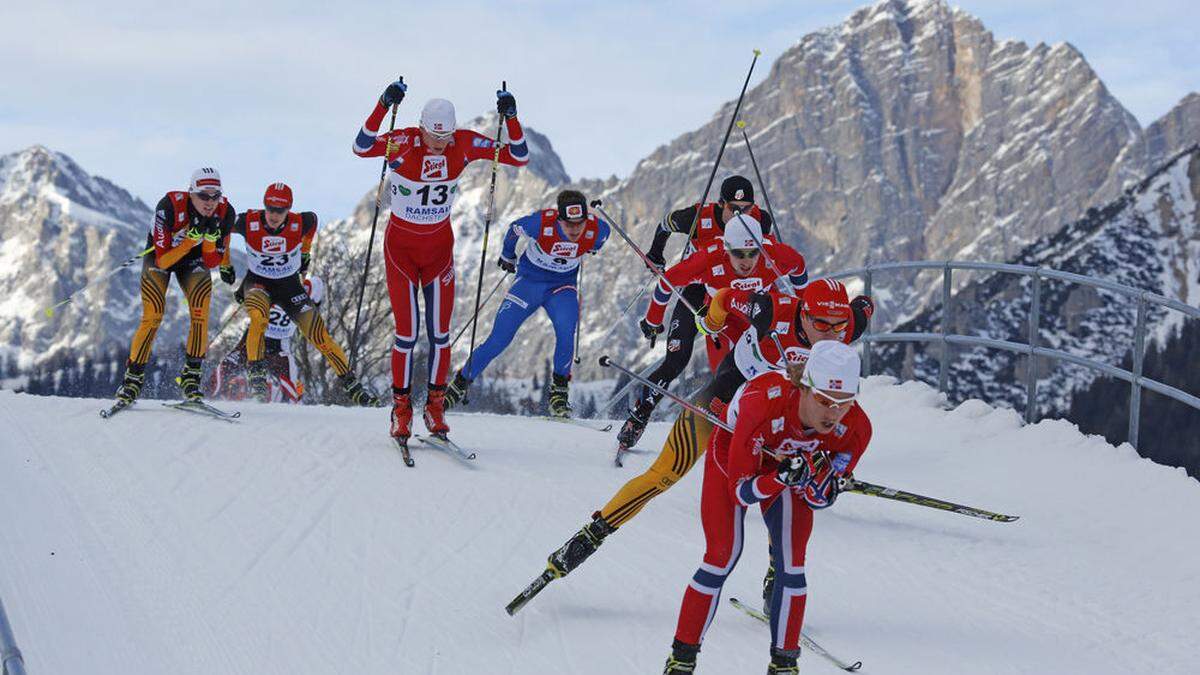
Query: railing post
[(1035, 313), (866, 361), (944, 369), (1135, 387), (11, 662)]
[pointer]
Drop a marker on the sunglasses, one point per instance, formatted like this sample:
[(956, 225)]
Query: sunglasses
[(829, 326), (744, 253), (439, 136), (207, 196), (826, 400), (276, 210)]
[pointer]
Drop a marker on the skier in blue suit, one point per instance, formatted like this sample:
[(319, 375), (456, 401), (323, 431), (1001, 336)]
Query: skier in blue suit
[(546, 277)]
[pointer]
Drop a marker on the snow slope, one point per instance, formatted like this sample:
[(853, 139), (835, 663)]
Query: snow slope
[(296, 542)]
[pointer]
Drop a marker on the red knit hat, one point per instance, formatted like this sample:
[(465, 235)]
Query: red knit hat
[(278, 196), (827, 297)]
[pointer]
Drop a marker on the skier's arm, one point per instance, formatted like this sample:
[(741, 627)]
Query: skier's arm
[(308, 221), (166, 255), (216, 243), (791, 263), (602, 232), (691, 269), (368, 142), (679, 220), (477, 146), (748, 482), (861, 309), (520, 227)]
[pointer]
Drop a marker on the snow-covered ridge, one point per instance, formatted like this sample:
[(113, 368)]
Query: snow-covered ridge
[(297, 542)]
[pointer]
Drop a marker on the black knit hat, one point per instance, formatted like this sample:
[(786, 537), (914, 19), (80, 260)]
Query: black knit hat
[(572, 205), (737, 189)]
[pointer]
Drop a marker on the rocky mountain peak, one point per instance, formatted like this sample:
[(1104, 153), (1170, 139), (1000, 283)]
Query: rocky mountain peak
[(38, 173)]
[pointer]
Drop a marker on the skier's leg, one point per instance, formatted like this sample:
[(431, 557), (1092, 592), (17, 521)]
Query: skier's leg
[(722, 519), (154, 300), (563, 309), (257, 301), (789, 522), (519, 303), (439, 307), (197, 288), (688, 439), (402, 290)]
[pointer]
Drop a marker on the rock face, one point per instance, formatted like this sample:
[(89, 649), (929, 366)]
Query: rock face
[(1148, 238)]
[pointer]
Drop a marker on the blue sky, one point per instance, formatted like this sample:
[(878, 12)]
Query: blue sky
[(142, 94)]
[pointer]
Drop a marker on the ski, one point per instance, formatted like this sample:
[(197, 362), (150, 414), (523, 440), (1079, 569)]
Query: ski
[(202, 408), (531, 590), (861, 487), (602, 428), (115, 408), (805, 641), (445, 445), (405, 453)]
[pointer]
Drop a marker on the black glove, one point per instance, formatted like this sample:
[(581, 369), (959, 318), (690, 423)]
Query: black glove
[(863, 304), (240, 294), (506, 104), (761, 311), (651, 331), (227, 274), (656, 257), (507, 265), (793, 473), (394, 93)]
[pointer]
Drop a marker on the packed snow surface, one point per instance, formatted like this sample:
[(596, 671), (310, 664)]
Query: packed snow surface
[(296, 542)]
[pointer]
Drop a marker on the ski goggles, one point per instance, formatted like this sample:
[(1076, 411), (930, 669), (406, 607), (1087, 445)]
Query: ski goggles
[(207, 196), (743, 253), (829, 326)]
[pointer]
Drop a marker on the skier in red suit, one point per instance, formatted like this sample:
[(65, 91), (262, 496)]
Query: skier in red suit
[(793, 437), (424, 165)]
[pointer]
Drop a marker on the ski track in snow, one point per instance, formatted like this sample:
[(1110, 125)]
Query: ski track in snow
[(297, 542)]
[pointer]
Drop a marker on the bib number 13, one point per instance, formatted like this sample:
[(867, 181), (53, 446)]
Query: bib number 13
[(439, 195)]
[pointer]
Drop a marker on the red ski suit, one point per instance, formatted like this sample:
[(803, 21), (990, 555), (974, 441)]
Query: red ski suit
[(418, 247), (737, 474)]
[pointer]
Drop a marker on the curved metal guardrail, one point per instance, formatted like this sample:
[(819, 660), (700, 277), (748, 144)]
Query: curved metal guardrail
[(947, 339), (11, 662)]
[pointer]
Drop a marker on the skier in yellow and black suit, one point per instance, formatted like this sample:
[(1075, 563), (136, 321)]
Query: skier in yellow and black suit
[(278, 242), (782, 330), (190, 238)]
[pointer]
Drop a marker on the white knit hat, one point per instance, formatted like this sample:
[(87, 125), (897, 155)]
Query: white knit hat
[(832, 366), (438, 116), (738, 232), (205, 179)]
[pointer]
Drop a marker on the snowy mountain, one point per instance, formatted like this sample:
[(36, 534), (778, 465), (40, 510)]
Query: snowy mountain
[(297, 543), (1148, 238)]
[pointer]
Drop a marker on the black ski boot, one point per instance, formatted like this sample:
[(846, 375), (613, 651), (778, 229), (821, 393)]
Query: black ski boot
[(357, 393), (578, 548), (456, 393), (783, 662), (256, 376), (768, 587), (682, 660), (635, 424), (189, 379), (560, 405), (131, 385)]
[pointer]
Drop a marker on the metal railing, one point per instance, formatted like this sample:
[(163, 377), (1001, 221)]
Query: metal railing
[(1031, 349), (11, 662)]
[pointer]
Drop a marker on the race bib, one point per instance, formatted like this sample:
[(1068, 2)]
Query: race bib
[(423, 203)]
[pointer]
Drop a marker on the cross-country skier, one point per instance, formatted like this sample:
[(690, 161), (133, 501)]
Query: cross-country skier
[(424, 165), (190, 237), (228, 380), (546, 278), (732, 260), (782, 331), (794, 435), (278, 242)]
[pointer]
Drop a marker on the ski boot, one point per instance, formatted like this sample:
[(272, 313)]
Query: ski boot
[(456, 393), (579, 547), (189, 379), (560, 405), (357, 393), (401, 416), (435, 411), (635, 424), (256, 375), (682, 660), (783, 662), (768, 588), (131, 385)]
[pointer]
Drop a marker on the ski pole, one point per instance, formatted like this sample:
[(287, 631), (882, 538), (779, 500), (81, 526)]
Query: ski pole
[(629, 385), (761, 185), (662, 278), (717, 421), (850, 484), (785, 283), (579, 303), (707, 186), (49, 311), (362, 286), (224, 324), (499, 282), (625, 311), (487, 225)]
